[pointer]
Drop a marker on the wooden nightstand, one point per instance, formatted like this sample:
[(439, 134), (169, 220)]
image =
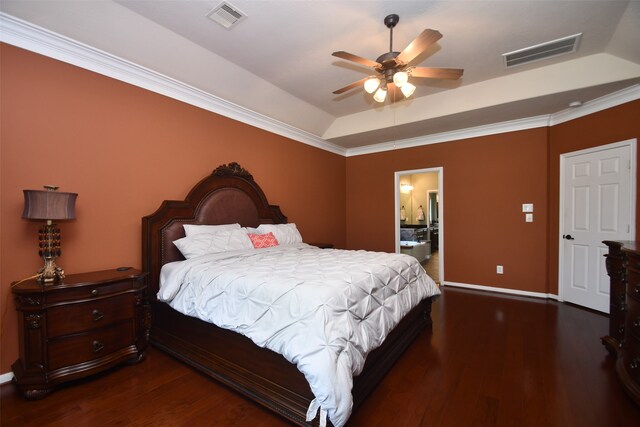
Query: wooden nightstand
[(87, 324)]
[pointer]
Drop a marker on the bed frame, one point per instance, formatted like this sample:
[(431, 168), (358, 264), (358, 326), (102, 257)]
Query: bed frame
[(230, 195)]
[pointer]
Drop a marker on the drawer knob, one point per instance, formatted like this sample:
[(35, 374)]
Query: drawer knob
[(97, 346), (636, 322), (94, 292), (635, 363), (97, 315), (621, 329), (637, 289)]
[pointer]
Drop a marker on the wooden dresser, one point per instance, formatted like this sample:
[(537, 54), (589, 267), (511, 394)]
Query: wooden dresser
[(86, 324), (623, 341)]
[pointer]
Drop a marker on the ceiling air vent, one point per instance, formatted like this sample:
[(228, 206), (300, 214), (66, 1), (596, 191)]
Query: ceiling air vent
[(542, 51), (226, 15)]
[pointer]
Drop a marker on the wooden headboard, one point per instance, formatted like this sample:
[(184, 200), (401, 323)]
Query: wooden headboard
[(227, 196)]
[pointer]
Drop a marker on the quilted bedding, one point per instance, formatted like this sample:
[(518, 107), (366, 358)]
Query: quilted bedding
[(323, 310)]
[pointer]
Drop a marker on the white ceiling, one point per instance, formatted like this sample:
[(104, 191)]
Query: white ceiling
[(277, 62)]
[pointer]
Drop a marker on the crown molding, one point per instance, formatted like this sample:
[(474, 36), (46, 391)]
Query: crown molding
[(604, 102), (611, 100), (36, 39), (31, 37), (474, 132)]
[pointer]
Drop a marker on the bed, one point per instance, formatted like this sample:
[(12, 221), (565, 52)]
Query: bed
[(230, 195)]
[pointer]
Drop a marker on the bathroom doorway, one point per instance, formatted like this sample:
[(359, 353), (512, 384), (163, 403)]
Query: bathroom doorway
[(419, 218)]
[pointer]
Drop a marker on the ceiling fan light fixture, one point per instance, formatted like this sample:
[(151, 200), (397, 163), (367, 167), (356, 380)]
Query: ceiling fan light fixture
[(407, 89), (400, 78), (371, 84), (380, 95), (393, 68)]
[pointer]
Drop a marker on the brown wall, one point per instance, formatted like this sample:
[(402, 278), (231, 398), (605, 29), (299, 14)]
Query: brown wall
[(606, 127), (486, 180), (124, 150)]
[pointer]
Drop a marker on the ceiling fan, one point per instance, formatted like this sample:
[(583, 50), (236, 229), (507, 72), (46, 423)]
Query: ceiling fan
[(393, 68)]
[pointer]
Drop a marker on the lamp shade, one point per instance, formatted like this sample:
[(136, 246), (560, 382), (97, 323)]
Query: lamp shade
[(54, 205), (400, 78), (371, 84), (380, 95), (408, 89)]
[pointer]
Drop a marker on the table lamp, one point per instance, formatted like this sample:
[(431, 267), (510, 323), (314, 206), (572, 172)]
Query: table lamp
[(49, 205)]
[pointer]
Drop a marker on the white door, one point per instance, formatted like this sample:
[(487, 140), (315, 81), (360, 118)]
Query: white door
[(597, 194)]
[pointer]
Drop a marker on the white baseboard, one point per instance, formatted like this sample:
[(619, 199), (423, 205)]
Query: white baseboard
[(502, 290), (5, 378)]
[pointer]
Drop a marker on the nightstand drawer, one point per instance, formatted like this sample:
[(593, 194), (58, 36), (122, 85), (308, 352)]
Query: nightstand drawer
[(87, 292), (78, 317), (75, 349)]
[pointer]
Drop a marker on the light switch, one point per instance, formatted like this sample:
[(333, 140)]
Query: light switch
[(527, 207), (528, 217)]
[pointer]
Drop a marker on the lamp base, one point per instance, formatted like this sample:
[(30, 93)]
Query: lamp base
[(50, 273)]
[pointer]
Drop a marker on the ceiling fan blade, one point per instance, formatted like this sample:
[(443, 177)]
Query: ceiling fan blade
[(351, 86), (437, 73), (355, 58), (419, 45)]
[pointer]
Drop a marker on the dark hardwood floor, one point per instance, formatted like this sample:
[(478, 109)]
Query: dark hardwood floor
[(490, 360), (432, 266)]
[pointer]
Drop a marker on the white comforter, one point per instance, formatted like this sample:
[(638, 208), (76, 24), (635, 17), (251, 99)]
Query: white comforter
[(323, 310)]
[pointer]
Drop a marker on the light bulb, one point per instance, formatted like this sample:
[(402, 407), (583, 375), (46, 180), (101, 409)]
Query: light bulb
[(380, 95), (371, 84), (407, 89), (400, 78)]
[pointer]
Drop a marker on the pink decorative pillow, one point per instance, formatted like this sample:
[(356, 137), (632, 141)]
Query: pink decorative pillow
[(263, 240)]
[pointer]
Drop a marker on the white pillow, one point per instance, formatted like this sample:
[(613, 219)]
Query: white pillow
[(193, 229), (286, 234), (211, 243)]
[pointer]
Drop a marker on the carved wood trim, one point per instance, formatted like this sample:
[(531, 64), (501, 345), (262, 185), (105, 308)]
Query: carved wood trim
[(234, 169), (33, 320), (22, 300)]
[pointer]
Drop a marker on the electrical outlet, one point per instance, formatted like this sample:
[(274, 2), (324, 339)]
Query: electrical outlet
[(528, 217), (499, 269), (527, 207)]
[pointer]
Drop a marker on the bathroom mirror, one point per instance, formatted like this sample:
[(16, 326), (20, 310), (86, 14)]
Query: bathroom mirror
[(433, 206)]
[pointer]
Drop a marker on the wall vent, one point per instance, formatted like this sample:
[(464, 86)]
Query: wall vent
[(226, 15), (542, 51)]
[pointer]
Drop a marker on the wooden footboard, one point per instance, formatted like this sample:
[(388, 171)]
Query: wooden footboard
[(261, 374)]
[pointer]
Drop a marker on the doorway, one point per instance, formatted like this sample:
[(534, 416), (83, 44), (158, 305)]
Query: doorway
[(419, 218), (597, 202)]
